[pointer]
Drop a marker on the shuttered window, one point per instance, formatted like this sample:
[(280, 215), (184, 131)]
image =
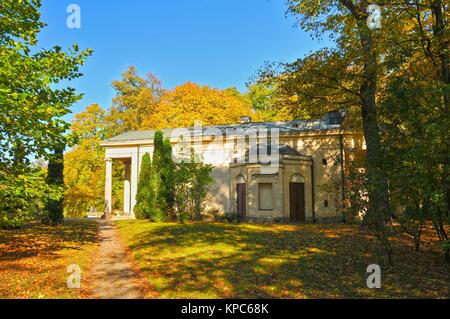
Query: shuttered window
[(265, 196)]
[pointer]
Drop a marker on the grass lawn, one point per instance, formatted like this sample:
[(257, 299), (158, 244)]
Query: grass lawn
[(34, 259), (214, 260)]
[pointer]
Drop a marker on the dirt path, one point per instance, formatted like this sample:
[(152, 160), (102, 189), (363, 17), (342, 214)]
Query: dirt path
[(114, 276)]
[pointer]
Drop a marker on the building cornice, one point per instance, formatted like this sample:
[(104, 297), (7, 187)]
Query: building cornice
[(207, 139)]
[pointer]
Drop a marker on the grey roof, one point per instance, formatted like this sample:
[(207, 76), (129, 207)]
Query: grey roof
[(285, 127), (265, 148)]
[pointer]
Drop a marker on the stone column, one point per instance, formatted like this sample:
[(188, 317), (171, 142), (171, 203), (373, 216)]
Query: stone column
[(127, 189), (108, 187), (134, 181)]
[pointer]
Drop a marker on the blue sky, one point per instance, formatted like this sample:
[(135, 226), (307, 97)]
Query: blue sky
[(216, 42)]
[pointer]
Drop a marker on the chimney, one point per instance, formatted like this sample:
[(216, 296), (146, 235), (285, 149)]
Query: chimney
[(245, 119)]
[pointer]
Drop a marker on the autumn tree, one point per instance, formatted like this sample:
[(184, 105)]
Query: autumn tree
[(136, 100), (84, 169), (414, 130), (189, 102), (344, 76), (378, 72)]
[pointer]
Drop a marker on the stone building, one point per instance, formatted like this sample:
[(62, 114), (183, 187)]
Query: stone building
[(275, 171)]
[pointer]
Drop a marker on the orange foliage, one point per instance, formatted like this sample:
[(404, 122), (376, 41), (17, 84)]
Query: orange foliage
[(186, 103)]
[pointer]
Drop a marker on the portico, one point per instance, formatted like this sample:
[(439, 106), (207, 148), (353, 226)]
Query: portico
[(129, 157)]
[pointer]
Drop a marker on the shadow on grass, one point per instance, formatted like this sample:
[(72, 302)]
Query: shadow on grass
[(272, 261), (38, 239)]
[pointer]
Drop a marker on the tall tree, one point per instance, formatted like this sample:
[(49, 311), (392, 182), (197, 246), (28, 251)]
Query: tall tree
[(160, 203), (167, 172), (136, 99), (84, 169), (373, 71), (414, 116), (357, 60), (31, 106), (346, 75), (145, 192)]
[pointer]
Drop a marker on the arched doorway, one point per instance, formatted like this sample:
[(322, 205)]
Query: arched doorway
[(241, 196), (297, 198)]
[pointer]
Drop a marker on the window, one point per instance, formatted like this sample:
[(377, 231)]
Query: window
[(334, 118), (265, 196), (324, 161), (325, 203)]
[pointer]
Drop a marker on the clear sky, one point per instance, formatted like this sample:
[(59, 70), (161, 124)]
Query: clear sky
[(216, 42)]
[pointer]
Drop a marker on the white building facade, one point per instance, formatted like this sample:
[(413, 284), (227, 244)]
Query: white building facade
[(278, 171)]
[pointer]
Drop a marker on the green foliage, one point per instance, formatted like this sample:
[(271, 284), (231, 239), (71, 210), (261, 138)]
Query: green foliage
[(23, 195), (265, 99), (54, 208), (167, 172), (159, 173), (416, 130), (145, 191), (191, 186), (155, 195), (31, 105), (165, 186)]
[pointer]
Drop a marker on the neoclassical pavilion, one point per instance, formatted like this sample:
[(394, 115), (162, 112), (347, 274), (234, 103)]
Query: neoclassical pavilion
[(286, 171)]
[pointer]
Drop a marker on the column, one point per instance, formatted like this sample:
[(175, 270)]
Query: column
[(108, 187), (127, 188), (134, 180)]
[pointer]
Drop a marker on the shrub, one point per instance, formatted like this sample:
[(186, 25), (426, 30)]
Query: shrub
[(145, 193), (164, 185), (191, 186), (23, 194)]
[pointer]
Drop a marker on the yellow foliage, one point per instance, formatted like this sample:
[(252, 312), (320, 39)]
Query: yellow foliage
[(189, 102)]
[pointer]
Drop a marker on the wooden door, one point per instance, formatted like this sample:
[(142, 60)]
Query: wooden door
[(241, 200), (297, 201)]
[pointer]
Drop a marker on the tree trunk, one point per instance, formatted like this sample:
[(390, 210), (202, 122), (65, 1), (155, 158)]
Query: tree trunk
[(54, 208), (378, 213), (441, 34), (378, 208), (443, 42), (377, 181)]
